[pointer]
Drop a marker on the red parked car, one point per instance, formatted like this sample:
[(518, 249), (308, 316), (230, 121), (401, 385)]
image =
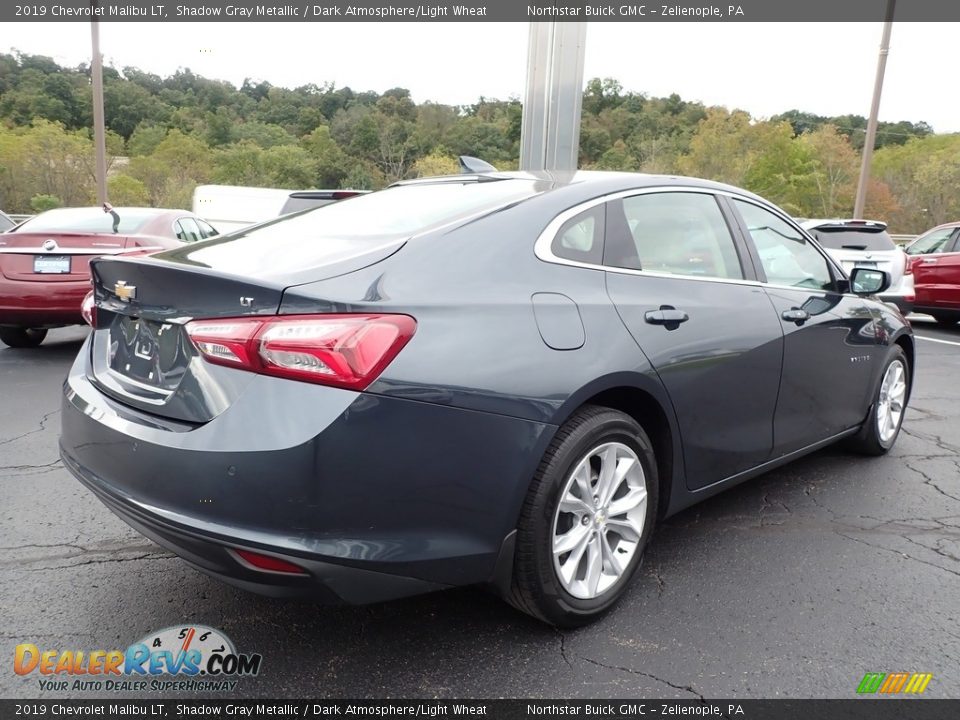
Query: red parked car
[(935, 260), (45, 261)]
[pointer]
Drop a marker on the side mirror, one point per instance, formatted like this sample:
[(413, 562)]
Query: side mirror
[(867, 281)]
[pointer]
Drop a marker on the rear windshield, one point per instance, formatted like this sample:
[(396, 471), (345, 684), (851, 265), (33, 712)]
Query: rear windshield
[(296, 204), (357, 225), (402, 210), (88, 220), (5, 222), (850, 239)]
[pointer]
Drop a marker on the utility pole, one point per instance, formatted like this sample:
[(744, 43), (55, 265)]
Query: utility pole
[(871, 137), (99, 133)]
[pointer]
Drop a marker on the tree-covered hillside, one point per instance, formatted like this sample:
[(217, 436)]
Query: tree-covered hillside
[(166, 135)]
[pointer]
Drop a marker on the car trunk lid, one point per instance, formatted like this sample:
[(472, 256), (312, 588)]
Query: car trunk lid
[(141, 353), (57, 257)]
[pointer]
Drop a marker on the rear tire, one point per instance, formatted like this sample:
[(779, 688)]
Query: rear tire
[(880, 430), (606, 518), (946, 320), (20, 337)]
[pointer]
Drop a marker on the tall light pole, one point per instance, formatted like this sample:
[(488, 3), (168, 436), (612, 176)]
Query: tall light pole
[(871, 137), (550, 130), (99, 133)]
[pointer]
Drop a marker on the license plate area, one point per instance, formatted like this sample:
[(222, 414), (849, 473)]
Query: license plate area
[(51, 264), (149, 352)]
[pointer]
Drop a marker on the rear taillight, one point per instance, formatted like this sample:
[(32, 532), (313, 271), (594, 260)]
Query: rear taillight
[(88, 309), (348, 351), (907, 265)]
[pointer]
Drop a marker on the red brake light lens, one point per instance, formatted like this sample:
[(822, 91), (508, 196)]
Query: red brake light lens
[(348, 351), (907, 264), (88, 309), (269, 563)]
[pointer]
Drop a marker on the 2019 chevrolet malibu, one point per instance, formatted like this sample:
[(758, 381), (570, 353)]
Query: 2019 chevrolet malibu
[(500, 378)]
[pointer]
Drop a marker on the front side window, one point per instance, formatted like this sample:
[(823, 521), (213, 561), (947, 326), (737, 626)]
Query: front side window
[(679, 233), (787, 257), (936, 241)]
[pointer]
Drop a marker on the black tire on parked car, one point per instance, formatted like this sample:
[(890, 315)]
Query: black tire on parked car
[(946, 319), (560, 587), (880, 430), (20, 337)]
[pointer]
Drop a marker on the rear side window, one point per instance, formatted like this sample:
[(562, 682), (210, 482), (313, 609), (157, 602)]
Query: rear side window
[(581, 237), (680, 233), (187, 230), (935, 241), (853, 239)]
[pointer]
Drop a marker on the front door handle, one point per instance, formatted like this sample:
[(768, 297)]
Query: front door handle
[(797, 315), (929, 261), (667, 316)]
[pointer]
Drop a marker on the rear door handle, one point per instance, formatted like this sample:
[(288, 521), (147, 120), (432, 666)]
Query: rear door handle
[(666, 315), (929, 261), (797, 315)]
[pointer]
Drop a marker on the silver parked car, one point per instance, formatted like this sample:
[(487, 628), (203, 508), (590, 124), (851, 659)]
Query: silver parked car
[(866, 243)]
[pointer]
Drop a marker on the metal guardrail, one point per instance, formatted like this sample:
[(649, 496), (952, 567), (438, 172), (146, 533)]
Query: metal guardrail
[(903, 239), (19, 218)]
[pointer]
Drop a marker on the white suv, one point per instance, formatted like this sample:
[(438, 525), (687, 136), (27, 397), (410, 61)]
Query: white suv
[(866, 243)]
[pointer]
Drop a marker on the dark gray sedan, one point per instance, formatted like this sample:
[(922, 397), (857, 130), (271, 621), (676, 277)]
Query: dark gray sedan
[(500, 379)]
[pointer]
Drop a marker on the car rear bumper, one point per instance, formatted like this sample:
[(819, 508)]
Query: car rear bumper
[(902, 295), (41, 304), (375, 498)]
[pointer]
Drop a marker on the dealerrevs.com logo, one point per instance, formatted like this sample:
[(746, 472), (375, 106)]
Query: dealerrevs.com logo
[(190, 658)]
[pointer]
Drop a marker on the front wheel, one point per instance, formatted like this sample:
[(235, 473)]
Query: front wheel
[(20, 337), (882, 426), (586, 519)]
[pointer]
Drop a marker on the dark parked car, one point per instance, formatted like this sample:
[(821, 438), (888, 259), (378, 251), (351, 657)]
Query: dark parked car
[(495, 378), (45, 261), (935, 261)]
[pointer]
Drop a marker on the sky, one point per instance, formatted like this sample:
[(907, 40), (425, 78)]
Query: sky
[(763, 68)]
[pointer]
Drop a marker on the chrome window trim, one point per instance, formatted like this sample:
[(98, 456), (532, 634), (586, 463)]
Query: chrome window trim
[(543, 247)]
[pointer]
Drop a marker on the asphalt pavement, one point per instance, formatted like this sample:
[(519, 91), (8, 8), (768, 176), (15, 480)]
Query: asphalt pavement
[(792, 585)]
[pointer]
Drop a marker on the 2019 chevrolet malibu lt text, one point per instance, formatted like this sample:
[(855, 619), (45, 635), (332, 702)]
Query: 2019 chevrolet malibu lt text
[(498, 378)]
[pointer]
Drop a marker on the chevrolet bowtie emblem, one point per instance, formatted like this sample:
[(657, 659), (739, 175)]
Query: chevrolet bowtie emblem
[(123, 291)]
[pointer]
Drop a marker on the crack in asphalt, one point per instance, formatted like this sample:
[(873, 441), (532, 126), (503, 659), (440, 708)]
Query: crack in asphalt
[(105, 561), (927, 480), (899, 552), (935, 439), (563, 647), (41, 428), (30, 466), (661, 585), (686, 688), (80, 552)]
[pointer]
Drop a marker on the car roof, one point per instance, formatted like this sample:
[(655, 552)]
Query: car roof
[(590, 183)]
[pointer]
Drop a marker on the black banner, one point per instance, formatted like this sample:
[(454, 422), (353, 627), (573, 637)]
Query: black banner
[(475, 11), (854, 709)]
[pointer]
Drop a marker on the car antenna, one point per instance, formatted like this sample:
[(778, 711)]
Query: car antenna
[(474, 166), (108, 208)]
